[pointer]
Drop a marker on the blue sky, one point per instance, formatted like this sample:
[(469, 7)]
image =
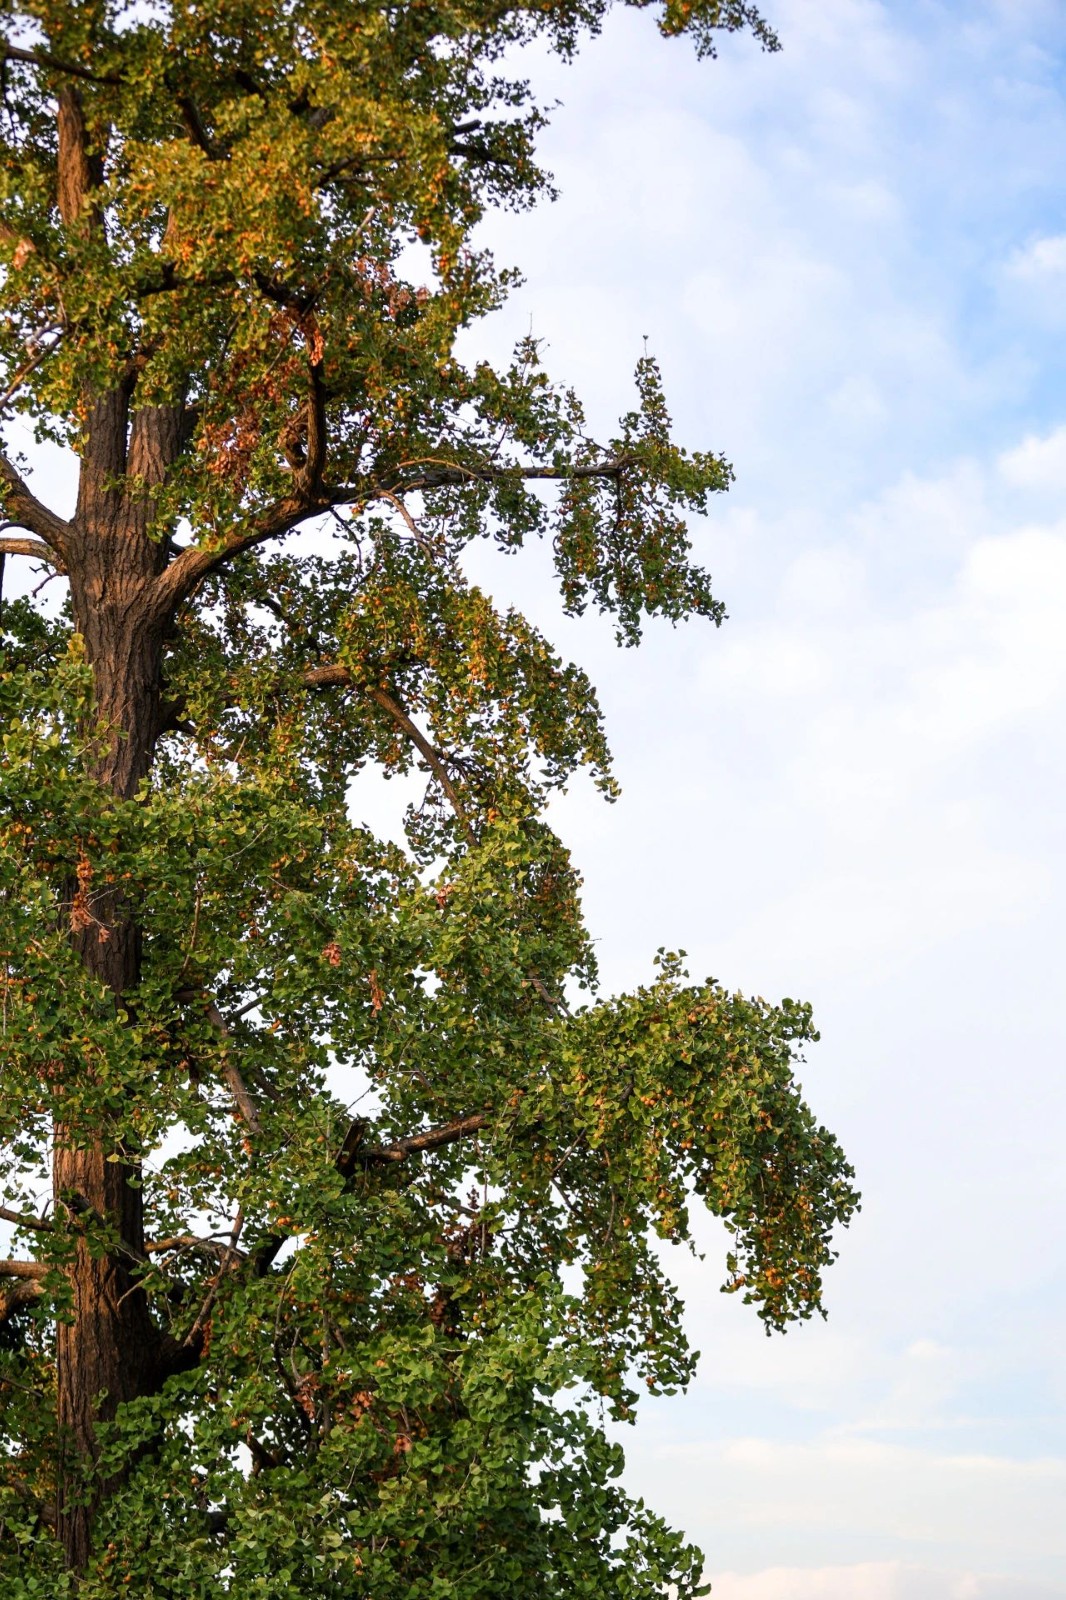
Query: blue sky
[(851, 260)]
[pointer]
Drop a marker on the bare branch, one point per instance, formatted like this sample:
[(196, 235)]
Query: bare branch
[(22, 1269), (37, 1224), (432, 1139), (26, 511), (31, 547)]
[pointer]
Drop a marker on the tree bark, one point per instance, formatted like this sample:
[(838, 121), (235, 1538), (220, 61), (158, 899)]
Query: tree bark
[(108, 1352)]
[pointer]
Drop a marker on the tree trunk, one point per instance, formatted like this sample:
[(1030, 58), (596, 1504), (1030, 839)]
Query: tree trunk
[(109, 1350)]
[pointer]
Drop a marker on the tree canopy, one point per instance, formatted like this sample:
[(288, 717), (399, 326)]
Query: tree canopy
[(257, 1339)]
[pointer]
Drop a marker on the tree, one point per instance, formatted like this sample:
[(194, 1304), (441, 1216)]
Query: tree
[(257, 1341)]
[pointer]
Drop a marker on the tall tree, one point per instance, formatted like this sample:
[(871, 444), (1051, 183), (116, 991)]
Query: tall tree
[(260, 1341)]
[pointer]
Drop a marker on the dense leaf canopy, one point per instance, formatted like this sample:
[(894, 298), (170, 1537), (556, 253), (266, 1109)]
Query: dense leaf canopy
[(403, 1171)]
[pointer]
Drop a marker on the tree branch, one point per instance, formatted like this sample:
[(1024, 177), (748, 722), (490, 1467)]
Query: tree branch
[(443, 477), (22, 1269), (192, 1242), (352, 1155), (432, 1139), (38, 1224), (23, 1294), (194, 1339), (242, 1099), (26, 511), (339, 677), (31, 547), (197, 129), (45, 58), (196, 562), (309, 475)]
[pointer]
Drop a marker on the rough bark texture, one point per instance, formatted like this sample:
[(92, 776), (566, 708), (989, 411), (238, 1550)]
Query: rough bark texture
[(109, 1352)]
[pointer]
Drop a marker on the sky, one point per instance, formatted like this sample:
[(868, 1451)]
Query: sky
[(850, 259)]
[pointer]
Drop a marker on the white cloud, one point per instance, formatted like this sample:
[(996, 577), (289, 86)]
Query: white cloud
[(1037, 464), (892, 1580), (1040, 260)]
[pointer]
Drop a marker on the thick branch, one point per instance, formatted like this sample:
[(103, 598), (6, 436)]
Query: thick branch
[(78, 171), (194, 564), (23, 1294), (197, 129), (310, 474), (27, 511), (38, 1224), (31, 547), (22, 1269)]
